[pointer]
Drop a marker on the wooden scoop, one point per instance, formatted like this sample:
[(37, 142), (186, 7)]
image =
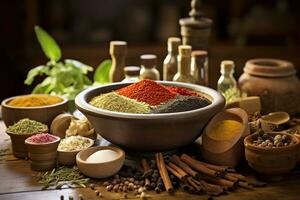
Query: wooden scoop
[(276, 118)]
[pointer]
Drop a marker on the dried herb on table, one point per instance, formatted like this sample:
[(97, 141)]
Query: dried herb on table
[(61, 176)]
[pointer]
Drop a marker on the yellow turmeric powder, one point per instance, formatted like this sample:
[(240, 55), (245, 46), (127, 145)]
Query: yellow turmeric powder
[(34, 100), (225, 130)]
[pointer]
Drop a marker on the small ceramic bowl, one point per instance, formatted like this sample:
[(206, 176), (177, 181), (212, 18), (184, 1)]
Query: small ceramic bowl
[(271, 161), (42, 155), (18, 143), (69, 157), (103, 169), (226, 152), (43, 114)]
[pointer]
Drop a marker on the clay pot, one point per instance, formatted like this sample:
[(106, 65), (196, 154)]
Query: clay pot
[(275, 82), (42, 155), (271, 161), (18, 143)]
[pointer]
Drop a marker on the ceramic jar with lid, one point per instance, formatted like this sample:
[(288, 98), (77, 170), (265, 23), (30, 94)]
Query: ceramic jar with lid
[(276, 83)]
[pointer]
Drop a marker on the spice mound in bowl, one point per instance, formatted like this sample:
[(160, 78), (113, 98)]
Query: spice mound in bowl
[(148, 96), (154, 130), (40, 107), (42, 150), (22, 130), (70, 146), (273, 153), (100, 162)]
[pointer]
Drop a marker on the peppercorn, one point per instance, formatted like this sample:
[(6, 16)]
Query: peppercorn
[(109, 187), (157, 189), (106, 183), (116, 188), (92, 186), (125, 195)]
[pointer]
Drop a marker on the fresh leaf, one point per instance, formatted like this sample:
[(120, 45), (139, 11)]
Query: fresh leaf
[(48, 44), (39, 70), (83, 67), (102, 72), (44, 87)]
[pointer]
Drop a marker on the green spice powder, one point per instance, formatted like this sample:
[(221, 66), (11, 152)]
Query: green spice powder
[(27, 126), (114, 102)]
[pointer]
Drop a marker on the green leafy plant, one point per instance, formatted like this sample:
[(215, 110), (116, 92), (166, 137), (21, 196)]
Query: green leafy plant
[(66, 78), (101, 75)]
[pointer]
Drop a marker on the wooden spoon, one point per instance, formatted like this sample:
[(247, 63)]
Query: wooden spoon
[(276, 118)]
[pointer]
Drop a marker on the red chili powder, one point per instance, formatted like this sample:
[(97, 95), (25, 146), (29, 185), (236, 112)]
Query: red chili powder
[(182, 91), (147, 91), (41, 138)]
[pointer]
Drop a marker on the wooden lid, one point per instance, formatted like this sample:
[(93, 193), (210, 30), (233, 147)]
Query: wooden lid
[(132, 70), (148, 60), (117, 47), (268, 67)]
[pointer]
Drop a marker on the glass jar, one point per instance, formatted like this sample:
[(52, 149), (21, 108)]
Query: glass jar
[(148, 67), (184, 65), (170, 62), (132, 74), (199, 67), (226, 80)]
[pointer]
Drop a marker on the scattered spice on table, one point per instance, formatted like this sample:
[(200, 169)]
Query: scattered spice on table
[(269, 141), (147, 91), (61, 176), (74, 143), (114, 102), (42, 138), (182, 91), (35, 100), (225, 129), (27, 126), (182, 103)]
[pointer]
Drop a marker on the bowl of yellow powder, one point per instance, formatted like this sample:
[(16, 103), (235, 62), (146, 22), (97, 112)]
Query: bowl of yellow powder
[(40, 107)]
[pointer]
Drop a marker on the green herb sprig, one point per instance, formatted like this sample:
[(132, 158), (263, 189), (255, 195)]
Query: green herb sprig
[(61, 176)]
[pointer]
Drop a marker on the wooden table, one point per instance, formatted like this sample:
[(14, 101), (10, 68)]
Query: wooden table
[(16, 182)]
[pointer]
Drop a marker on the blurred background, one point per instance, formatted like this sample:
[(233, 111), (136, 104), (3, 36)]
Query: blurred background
[(242, 30)]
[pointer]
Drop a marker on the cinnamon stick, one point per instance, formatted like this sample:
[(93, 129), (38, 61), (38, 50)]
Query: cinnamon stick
[(199, 166), (146, 168), (163, 172), (238, 176), (219, 181), (179, 170), (219, 168), (230, 178), (193, 184), (174, 172), (176, 160), (245, 185)]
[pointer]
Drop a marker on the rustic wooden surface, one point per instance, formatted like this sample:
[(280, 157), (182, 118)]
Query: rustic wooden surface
[(17, 182)]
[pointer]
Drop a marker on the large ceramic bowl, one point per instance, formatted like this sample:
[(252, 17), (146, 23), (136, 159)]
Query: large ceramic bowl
[(149, 132), (43, 114)]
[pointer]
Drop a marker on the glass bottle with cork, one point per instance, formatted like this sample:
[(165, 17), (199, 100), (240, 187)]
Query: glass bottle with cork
[(132, 73), (148, 67), (117, 51), (184, 65), (199, 66), (170, 62), (226, 80)]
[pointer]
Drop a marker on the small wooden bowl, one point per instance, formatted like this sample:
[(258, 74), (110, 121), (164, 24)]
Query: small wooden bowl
[(99, 170), (42, 155), (69, 157), (43, 114), (18, 143), (226, 152), (272, 161)]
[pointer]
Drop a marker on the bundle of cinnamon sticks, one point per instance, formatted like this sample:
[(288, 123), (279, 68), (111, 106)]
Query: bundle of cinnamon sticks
[(199, 177)]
